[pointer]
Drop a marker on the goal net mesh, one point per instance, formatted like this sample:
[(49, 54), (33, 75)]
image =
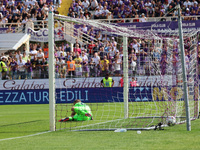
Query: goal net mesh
[(154, 76)]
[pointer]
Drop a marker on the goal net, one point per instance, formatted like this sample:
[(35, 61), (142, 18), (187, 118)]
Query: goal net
[(148, 62)]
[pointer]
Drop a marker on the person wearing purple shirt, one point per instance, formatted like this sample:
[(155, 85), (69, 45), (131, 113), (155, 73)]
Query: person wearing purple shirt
[(85, 68), (126, 2), (91, 32), (107, 6), (163, 64), (187, 13), (28, 71), (13, 65), (115, 12), (122, 12), (74, 3), (71, 7), (193, 13), (195, 7), (102, 2), (113, 2)]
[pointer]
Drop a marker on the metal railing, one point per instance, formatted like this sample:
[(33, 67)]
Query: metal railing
[(149, 19), (39, 24)]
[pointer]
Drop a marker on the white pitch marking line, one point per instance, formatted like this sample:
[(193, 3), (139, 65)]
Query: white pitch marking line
[(24, 136)]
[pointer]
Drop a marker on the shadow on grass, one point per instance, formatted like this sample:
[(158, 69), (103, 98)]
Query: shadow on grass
[(21, 123)]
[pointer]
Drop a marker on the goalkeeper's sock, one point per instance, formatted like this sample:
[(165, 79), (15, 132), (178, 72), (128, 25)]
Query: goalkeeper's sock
[(88, 115), (64, 120)]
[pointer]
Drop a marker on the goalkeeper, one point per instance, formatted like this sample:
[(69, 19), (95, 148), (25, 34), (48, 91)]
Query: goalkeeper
[(80, 112)]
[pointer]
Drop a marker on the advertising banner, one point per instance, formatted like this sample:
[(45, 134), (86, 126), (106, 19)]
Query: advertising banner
[(3, 30), (93, 95), (164, 26), (80, 83), (87, 95), (42, 34)]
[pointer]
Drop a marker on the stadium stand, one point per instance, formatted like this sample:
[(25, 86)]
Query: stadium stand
[(93, 48)]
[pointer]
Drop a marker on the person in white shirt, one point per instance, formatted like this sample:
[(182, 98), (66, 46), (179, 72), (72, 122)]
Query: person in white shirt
[(97, 13), (143, 19), (105, 10), (18, 54), (112, 52), (86, 4), (100, 6), (4, 20), (59, 51), (93, 5), (40, 55), (2, 7), (186, 3), (84, 57), (26, 3), (15, 10), (34, 19), (32, 2), (84, 28), (96, 59), (33, 53), (11, 3), (136, 46), (117, 65), (193, 2), (21, 67), (25, 20), (148, 4)]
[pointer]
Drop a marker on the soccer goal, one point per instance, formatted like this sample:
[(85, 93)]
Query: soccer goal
[(153, 83)]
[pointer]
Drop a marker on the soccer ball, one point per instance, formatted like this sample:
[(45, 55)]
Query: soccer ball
[(171, 120)]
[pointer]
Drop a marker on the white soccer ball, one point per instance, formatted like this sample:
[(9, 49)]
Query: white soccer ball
[(138, 132), (171, 120)]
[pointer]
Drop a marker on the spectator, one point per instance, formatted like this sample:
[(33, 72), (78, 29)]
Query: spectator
[(9, 30), (104, 66), (68, 48), (92, 68), (40, 55), (117, 65), (77, 49), (133, 82), (98, 13), (187, 4), (143, 18), (71, 67), (86, 4), (93, 5), (3, 68), (91, 47), (87, 14), (107, 81), (35, 68), (33, 53), (28, 71), (21, 68), (13, 66)]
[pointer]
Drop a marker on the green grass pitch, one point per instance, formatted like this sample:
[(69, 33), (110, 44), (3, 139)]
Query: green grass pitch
[(22, 120)]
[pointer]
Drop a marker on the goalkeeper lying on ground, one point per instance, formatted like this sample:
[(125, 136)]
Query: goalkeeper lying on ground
[(80, 112)]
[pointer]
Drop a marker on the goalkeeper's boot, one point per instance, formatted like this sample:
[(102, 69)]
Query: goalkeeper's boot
[(88, 115), (64, 120)]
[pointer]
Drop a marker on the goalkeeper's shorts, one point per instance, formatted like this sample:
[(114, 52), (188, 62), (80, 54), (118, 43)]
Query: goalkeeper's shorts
[(80, 118)]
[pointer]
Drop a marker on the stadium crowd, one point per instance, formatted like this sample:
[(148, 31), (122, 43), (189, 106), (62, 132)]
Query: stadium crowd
[(138, 9), (91, 59), (15, 13), (18, 12), (95, 59)]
